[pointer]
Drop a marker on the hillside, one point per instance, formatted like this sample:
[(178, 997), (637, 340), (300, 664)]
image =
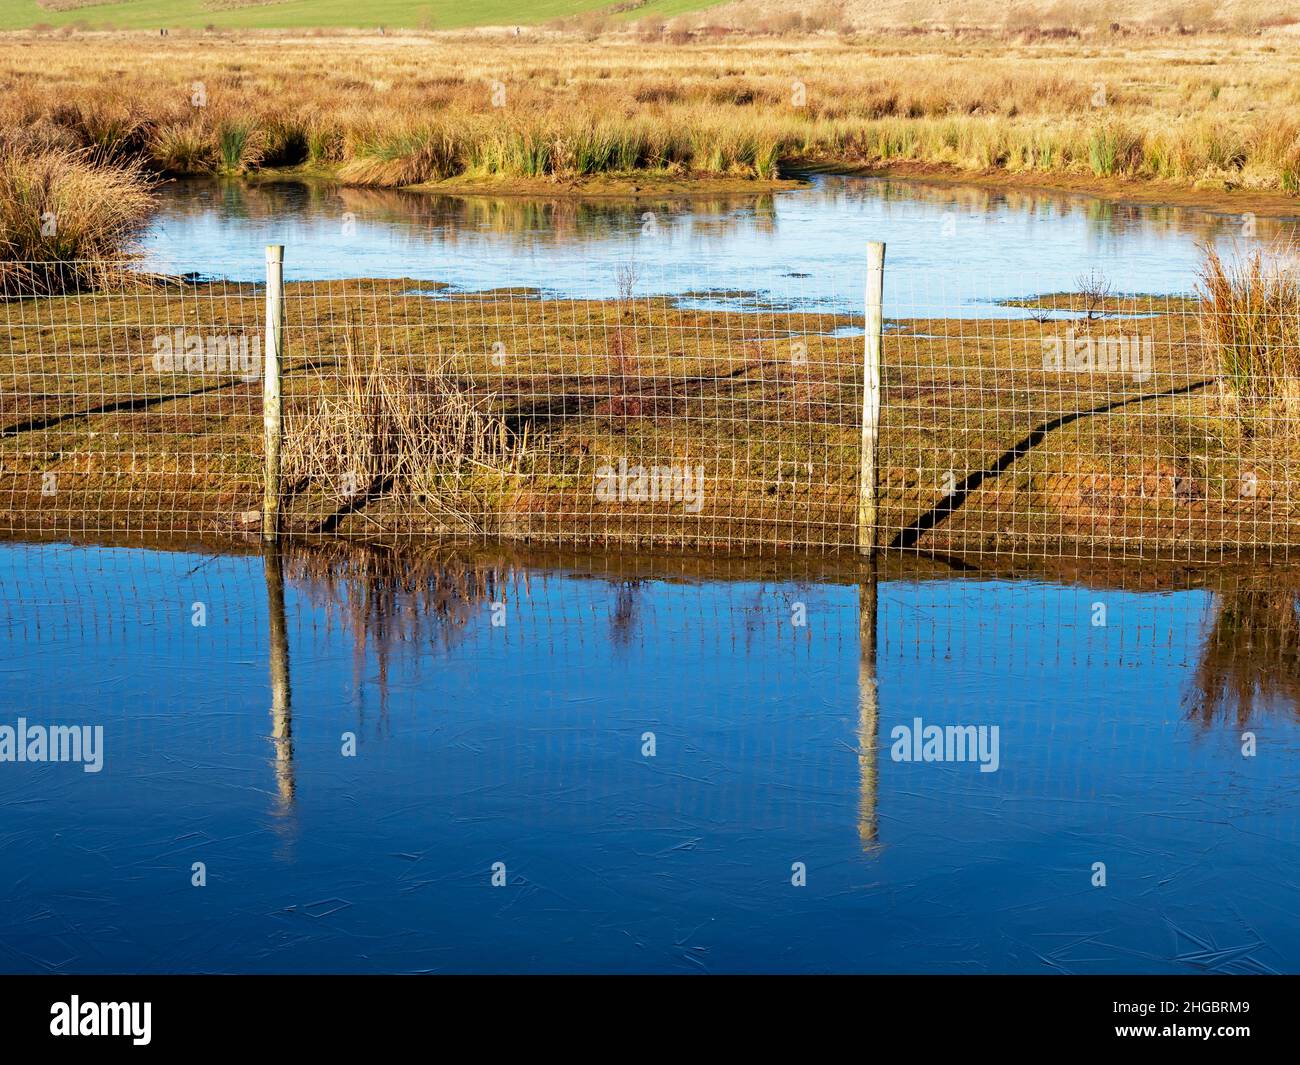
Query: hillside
[(1015, 15), (764, 16), (306, 14)]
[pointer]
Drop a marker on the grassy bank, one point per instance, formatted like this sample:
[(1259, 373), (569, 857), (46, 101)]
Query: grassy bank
[(410, 411), (1215, 113)]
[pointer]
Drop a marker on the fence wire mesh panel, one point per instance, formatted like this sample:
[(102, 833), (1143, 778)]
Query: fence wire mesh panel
[(128, 404), (633, 410), (653, 405), (642, 407), (1091, 422)]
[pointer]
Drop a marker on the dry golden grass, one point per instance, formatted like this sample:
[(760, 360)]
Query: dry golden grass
[(1250, 319), (64, 219), (1213, 111)]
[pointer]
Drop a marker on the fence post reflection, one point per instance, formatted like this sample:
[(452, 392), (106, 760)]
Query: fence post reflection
[(278, 649), (868, 709)]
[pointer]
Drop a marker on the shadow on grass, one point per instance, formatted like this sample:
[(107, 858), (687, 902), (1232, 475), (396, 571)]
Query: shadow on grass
[(909, 536)]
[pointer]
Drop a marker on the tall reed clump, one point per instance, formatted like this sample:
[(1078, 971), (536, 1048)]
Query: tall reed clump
[(1114, 149), (66, 221), (285, 141), (1279, 142), (426, 439), (546, 146), (394, 158), (183, 148), (239, 145), (1250, 324), (112, 129)]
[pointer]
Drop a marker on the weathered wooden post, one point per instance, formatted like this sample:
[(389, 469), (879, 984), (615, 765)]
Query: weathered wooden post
[(875, 324), (868, 691), (271, 415)]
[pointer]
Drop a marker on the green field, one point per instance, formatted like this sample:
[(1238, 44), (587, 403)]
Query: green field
[(304, 14)]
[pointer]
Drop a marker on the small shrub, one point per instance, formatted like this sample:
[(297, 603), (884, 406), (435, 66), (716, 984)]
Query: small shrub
[(426, 437)]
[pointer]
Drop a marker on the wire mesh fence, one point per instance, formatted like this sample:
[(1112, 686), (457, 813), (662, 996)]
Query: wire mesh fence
[(646, 405), (1089, 423), (130, 407)]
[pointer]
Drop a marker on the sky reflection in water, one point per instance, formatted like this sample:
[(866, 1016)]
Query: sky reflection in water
[(952, 249)]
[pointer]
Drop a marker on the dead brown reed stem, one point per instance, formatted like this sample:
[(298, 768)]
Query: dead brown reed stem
[(624, 365), (376, 427)]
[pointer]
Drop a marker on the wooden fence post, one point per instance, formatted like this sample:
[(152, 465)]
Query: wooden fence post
[(271, 413), (875, 323)]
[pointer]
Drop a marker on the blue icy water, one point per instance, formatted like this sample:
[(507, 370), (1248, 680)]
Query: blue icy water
[(526, 743), (952, 249)]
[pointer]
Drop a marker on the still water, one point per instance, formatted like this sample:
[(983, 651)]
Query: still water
[(382, 761), (350, 742), (952, 249)]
